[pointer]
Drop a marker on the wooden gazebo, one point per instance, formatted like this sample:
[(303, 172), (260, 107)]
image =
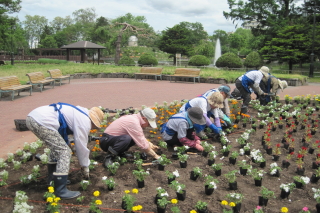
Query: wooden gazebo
[(82, 46)]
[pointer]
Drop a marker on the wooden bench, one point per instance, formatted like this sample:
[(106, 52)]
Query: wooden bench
[(150, 71), (37, 78), (12, 84), (56, 74), (187, 73)]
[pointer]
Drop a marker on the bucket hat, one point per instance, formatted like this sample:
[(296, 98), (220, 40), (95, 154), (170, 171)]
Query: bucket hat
[(196, 115)]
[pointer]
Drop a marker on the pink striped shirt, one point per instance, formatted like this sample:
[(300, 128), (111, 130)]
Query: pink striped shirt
[(129, 125)]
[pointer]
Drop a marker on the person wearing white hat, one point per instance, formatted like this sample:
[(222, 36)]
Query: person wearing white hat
[(52, 124), (127, 131), (251, 80), (179, 129), (271, 85)]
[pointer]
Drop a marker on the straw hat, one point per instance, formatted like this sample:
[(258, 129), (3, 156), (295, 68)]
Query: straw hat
[(96, 116), (196, 115), (216, 100), (265, 71), (282, 84)]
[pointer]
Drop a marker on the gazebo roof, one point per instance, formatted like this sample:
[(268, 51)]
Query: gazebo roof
[(82, 45)]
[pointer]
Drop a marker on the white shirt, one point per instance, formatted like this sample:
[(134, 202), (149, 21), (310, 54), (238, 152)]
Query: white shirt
[(79, 123), (255, 76)]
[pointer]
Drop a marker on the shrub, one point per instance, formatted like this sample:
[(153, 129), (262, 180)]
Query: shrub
[(230, 60), (198, 60), (126, 60), (253, 60), (147, 59)]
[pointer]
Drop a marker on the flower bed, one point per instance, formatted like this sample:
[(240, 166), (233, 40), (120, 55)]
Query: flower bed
[(293, 116)]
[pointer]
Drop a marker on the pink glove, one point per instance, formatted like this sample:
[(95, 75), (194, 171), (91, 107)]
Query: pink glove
[(198, 141), (199, 147)]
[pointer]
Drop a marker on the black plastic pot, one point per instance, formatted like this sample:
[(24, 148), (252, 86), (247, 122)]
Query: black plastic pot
[(183, 164), (277, 174), (263, 201), (243, 171), (247, 152), (204, 154), (161, 167), (291, 149), (207, 190), (170, 180), (174, 156), (269, 151), (110, 188), (318, 208), (300, 171), (311, 150), (202, 210), (280, 126), (284, 194), (263, 164), (237, 208), (210, 162), (314, 178), (156, 198), (193, 176), (285, 164), (232, 160), (181, 196), (244, 125), (140, 184), (233, 186), (275, 157), (218, 172), (315, 165), (258, 182), (286, 145), (299, 185), (226, 154), (161, 210)]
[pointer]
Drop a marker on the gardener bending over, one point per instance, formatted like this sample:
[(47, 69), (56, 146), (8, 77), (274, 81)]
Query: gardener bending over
[(179, 130), (127, 131), (52, 124), (271, 85), (251, 79), (209, 106)]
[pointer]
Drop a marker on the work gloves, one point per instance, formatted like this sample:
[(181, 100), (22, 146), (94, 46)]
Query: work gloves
[(153, 147), (85, 172), (199, 147), (150, 152), (227, 120), (215, 129)]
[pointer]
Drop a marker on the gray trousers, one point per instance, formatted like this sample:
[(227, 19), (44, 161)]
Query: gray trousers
[(60, 152), (245, 95)]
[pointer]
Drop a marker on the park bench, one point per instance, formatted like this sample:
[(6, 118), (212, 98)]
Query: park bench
[(12, 84), (150, 71), (56, 74), (186, 73), (37, 78)]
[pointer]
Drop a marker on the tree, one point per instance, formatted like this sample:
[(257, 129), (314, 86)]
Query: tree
[(48, 42), (148, 59), (253, 60), (205, 48), (60, 23), (84, 20), (289, 46), (229, 60), (9, 6), (199, 60), (181, 38), (34, 26)]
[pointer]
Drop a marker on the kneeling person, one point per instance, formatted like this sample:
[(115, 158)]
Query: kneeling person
[(179, 129), (126, 132)]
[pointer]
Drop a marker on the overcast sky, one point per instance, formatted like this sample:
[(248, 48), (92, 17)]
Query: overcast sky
[(160, 14)]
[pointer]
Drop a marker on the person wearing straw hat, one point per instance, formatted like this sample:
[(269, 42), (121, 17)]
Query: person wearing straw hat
[(52, 124), (251, 80), (209, 106), (127, 131), (179, 129), (224, 112), (271, 85)]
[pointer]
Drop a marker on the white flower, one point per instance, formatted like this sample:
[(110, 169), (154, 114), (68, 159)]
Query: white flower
[(175, 148), (306, 180), (95, 163), (273, 171), (176, 173), (186, 147), (104, 178), (159, 188), (273, 165), (85, 181), (241, 152), (178, 188), (164, 194), (147, 172)]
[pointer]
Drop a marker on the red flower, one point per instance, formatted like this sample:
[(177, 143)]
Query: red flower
[(300, 156), (292, 139), (292, 153), (304, 148), (318, 155), (268, 139), (278, 145)]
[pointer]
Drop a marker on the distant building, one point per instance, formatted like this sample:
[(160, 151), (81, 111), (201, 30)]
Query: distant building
[(250, 24), (133, 41)]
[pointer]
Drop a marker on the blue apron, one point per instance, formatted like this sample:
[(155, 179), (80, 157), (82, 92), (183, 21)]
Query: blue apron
[(64, 130), (169, 131)]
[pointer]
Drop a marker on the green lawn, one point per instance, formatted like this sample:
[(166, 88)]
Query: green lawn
[(20, 71)]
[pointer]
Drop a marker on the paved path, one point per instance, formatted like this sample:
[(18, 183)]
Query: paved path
[(112, 93)]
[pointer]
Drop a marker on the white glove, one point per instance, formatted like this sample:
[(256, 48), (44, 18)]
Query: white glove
[(85, 172), (152, 153), (153, 147)]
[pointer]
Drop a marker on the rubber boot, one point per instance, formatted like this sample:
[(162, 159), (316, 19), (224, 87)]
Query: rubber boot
[(244, 110), (52, 167), (109, 157), (60, 186)]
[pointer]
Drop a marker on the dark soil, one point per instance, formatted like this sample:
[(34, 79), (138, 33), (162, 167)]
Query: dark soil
[(125, 180)]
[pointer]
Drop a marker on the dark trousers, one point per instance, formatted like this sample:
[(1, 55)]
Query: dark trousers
[(119, 144), (244, 93), (174, 141)]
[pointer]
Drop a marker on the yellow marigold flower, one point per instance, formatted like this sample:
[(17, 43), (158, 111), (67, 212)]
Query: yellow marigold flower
[(127, 191), (50, 189), (174, 201), (135, 191), (134, 208), (96, 193), (57, 199), (54, 204), (284, 209), (98, 202), (232, 204), (49, 199), (224, 202), (139, 207), (193, 211)]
